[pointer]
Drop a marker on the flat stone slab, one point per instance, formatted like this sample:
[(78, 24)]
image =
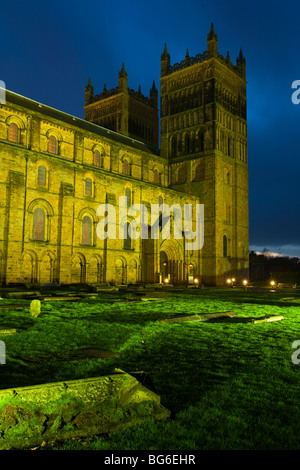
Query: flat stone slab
[(196, 318), (13, 306), (267, 319), (62, 298), (76, 408), (41, 359), (7, 331), (22, 294)]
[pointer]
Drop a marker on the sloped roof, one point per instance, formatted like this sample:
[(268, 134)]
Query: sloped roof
[(82, 124)]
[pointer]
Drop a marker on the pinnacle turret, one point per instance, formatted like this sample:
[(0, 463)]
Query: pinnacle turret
[(123, 78), (89, 92)]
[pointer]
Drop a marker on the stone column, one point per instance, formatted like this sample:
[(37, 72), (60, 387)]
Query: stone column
[(14, 233), (65, 231)]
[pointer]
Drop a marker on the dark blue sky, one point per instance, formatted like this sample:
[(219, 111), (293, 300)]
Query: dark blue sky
[(49, 50)]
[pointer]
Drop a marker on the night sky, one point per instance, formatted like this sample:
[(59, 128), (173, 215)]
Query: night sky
[(49, 50)]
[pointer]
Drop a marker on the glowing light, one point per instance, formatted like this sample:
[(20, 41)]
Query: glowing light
[(272, 283), (196, 281), (228, 281), (233, 279), (166, 281), (245, 282)]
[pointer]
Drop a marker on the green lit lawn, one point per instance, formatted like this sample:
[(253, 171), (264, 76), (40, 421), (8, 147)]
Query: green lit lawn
[(229, 384)]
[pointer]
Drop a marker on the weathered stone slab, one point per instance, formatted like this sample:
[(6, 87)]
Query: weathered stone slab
[(22, 294), (62, 356), (7, 331), (152, 299), (209, 316), (66, 298), (13, 306), (268, 319), (75, 408), (106, 289), (195, 318)]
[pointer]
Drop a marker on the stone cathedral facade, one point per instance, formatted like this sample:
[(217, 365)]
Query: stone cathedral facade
[(56, 169)]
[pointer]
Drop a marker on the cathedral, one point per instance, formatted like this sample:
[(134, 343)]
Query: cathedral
[(58, 169)]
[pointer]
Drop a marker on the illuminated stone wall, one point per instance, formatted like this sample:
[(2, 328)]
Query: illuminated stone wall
[(57, 169), (204, 139), (61, 255)]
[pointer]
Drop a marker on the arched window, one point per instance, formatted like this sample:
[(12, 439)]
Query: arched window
[(13, 133), (226, 179), (86, 230), (199, 172), (192, 143), (125, 168), (179, 144), (229, 146), (181, 175), (173, 146), (200, 140), (128, 195), (52, 145), (41, 181), (225, 246), (186, 144), (227, 212), (97, 159), (88, 187), (127, 238), (161, 220), (156, 177), (38, 231)]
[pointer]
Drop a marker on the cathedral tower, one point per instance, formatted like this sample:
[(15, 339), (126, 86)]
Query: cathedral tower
[(204, 139), (124, 110)]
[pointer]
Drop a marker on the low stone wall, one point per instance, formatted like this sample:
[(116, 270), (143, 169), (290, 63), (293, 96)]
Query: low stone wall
[(77, 408)]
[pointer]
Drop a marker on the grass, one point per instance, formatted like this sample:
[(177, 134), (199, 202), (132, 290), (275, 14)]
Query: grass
[(229, 384)]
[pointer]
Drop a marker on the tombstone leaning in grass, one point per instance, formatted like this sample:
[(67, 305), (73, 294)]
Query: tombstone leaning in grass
[(35, 308)]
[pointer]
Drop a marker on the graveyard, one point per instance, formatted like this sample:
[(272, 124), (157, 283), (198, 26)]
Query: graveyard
[(221, 361)]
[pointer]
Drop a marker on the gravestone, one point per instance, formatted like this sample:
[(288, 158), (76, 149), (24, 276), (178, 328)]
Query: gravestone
[(82, 408), (35, 308)]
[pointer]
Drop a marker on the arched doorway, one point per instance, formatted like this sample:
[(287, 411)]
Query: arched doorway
[(94, 270), (132, 272), (28, 267), (120, 271), (163, 266), (78, 269), (46, 269), (171, 261)]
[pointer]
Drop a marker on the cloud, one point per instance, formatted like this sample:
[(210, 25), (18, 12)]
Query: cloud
[(283, 250)]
